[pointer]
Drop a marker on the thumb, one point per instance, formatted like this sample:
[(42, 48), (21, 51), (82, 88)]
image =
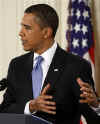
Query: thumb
[(46, 88), (80, 82)]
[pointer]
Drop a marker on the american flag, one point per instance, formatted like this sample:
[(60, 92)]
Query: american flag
[(80, 34)]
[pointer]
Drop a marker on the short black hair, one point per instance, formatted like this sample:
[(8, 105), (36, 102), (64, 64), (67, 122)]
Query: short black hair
[(47, 15)]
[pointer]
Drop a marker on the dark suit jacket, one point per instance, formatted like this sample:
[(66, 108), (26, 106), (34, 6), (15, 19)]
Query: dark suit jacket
[(62, 74)]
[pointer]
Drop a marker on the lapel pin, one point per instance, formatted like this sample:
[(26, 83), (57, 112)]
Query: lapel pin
[(55, 69)]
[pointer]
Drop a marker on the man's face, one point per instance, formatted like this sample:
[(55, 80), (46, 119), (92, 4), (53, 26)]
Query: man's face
[(31, 34)]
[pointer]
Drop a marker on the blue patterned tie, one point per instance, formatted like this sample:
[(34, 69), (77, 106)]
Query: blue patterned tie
[(37, 75)]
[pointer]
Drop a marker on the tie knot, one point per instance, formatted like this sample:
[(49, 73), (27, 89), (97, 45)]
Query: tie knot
[(39, 59)]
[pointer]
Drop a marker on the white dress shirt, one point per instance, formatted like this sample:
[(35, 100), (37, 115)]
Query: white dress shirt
[(47, 55)]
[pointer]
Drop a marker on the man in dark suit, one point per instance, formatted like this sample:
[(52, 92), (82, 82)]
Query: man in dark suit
[(58, 101)]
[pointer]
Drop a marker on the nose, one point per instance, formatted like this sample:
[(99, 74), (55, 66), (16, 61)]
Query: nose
[(21, 33)]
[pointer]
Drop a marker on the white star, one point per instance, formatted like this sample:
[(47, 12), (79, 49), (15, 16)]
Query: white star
[(77, 28), (78, 14), (73, 0), (85, 1), (75, 43), (74, 53), (84, 43), (80, 1), (84, 29), (85, 14)]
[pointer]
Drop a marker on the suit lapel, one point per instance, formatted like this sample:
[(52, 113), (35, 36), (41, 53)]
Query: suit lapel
[(27, 72), (29, 62), (56, 67)]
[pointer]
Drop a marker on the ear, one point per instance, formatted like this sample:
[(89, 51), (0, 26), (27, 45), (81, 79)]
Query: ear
[(47, 32)]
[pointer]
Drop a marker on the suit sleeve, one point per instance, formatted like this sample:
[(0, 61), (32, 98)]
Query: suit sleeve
[(10, 104), (85, 73)]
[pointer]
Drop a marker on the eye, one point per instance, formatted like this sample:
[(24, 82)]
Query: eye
[(28, 27)]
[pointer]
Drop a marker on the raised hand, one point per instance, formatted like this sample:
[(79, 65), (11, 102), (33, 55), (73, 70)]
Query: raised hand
[(87, 95), (43, 102)]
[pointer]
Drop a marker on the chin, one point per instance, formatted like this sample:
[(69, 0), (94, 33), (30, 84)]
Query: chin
[(27, 49)]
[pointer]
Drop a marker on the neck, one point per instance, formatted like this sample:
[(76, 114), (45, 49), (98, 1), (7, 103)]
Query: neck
[(45, 47)]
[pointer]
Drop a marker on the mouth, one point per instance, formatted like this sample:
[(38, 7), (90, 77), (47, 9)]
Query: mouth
[(23, 41)]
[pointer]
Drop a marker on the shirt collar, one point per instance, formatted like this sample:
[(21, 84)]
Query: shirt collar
[(48, 54)]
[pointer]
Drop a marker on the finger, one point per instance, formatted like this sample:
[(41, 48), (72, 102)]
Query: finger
[(46, 88), (50, 107), (90, 95), (46, 100), (89, 101), (88, 90), (81, 83), (83, 101), (49, 111), (86, 96), (86, 85), (49, 103), (45, 97)]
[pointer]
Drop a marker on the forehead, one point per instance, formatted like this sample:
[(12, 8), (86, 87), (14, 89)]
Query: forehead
[(28, 19)]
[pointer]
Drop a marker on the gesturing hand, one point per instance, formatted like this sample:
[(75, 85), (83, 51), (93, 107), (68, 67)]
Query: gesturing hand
[(88, 95), (43, 102)]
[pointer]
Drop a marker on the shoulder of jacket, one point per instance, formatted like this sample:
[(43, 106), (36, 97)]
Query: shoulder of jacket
[(21, 57)]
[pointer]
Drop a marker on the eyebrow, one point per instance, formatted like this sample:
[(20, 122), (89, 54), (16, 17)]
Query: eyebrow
[(26, 25)]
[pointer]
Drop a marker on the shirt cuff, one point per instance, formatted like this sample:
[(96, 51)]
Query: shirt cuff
[(27, 111), (97, 110)]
